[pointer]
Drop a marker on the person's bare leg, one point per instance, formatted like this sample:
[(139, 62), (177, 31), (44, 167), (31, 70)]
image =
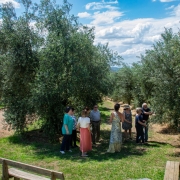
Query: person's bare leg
[(125, 132), (130, 134)]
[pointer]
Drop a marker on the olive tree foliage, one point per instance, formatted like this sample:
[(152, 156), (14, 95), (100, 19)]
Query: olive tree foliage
[(49, 61), (155, 79), (73, 71), (163, 61), (19, 61), (132, 84), (1, 81), (123, 84), (142, 85)]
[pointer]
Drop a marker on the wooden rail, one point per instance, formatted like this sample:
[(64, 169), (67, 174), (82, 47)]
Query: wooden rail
[(27, 172), (172, 170)]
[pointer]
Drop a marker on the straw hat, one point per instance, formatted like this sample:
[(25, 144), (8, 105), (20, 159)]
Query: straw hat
[(126, 106)]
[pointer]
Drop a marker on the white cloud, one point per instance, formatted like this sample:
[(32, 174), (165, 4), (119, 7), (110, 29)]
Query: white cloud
[(171, 7), (167, 0), (131, 38), (176, 11), (164, 0), (101, 5), (14, 3), (84, 15), (106, 17), (134, 50)]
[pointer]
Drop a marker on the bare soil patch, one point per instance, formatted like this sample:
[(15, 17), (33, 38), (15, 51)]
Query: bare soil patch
[(5, 130), (162, 133)]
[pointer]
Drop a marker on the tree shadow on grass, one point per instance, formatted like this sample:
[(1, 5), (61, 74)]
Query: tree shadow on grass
[(105, 109), (44, 149), (172, 130)]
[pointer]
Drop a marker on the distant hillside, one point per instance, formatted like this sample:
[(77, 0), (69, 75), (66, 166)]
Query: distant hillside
[(114, 69)]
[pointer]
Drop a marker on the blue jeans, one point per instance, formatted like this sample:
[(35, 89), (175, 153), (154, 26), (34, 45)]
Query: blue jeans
[(146, 133), (139, 134), (65, 142)]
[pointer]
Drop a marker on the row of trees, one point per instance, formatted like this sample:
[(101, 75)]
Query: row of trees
[(155, 79), (48, 61)]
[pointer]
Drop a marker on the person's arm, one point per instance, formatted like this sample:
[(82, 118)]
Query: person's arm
[(122, 118), (111, 117), (125, 120), (65, 124), (141, 123), (148, 113), (99, 116), (75, 121), (90, 115), (66, 127), (88, 126), (78, 123)]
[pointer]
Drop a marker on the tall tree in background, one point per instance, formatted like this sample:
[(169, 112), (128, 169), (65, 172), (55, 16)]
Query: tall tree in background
[(164, 63), (155, 80), (19, 60), (124, 85)]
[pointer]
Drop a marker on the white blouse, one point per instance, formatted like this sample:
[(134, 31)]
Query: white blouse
[(84, 122)]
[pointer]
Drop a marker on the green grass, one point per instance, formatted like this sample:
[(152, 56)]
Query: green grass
[(133, 162)]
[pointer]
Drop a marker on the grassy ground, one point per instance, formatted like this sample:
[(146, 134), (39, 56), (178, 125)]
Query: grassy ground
[(133, 162)]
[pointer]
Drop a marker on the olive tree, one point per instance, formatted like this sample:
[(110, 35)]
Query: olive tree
[(19, 60), (163, 63), (73, 71)]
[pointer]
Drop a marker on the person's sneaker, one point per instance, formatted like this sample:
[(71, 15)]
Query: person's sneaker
[(62, 152), (70, 151), (84, 155)]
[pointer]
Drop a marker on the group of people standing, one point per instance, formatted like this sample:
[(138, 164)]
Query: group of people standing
[(119, 120), (141, 124), (89, 126)]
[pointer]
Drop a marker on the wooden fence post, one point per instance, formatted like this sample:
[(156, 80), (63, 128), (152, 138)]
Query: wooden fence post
[(5, 175), (53, 176), (15, 178)]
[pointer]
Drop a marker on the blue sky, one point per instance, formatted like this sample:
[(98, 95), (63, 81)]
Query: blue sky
[(129, 26)]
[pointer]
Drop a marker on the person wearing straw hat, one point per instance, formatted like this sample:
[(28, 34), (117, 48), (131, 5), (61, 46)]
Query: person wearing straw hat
[(127, 124)]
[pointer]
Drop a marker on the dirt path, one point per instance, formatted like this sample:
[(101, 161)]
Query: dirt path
[(4, 132)]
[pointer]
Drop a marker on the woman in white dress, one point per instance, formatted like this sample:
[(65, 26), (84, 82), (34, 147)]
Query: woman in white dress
[(116, 135)]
